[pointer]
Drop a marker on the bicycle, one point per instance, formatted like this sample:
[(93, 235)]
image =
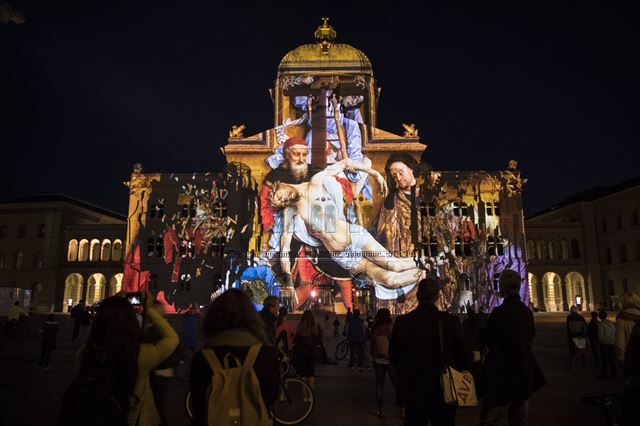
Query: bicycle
[(606, 403), (342, 350)]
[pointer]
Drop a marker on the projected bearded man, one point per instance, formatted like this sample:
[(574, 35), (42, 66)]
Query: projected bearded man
[(314, 214)]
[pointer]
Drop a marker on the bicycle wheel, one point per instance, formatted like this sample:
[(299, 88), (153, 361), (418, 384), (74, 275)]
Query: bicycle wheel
[(188, 405), (342, 350), (285, 366), (294, 403)]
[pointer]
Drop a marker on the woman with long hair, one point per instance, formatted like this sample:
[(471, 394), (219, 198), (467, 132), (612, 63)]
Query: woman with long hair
[(305, 347), (116, 360), (231, 325), (380, 335)]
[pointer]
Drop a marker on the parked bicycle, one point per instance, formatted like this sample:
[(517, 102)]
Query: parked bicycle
[(342, 350)]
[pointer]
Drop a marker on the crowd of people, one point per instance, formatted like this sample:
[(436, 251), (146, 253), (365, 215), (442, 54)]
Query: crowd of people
[(129, 355)]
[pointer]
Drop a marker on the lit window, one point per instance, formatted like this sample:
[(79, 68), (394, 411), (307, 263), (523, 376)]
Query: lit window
[(19, 260)]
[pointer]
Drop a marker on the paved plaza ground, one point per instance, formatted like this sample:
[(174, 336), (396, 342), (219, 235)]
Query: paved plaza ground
[(31, 396)]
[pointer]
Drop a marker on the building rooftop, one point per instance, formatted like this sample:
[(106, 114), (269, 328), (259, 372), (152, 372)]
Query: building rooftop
[(52, 197)]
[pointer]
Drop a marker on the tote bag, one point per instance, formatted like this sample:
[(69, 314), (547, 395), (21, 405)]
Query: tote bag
[(458, 387)]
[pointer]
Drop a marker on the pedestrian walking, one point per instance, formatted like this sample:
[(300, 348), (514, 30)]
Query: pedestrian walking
[(49, 332), (356, 336), (607, 339), (576, 333), (592, 336), (336, 327), (76, 315), (416, 354), (305, 347), (268, 315), (510, 373), (232, 328), (380, 337), (625, 321), (112, 385)]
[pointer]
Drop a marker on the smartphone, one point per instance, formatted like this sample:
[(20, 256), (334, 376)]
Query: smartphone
[(135, 298)]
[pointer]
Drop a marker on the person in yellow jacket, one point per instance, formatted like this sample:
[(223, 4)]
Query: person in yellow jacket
[(119, 363)]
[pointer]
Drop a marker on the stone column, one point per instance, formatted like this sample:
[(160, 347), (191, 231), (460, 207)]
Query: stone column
[(563, 294)]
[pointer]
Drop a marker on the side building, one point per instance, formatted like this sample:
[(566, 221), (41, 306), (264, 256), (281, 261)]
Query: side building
[(585, 250), (55, 250)]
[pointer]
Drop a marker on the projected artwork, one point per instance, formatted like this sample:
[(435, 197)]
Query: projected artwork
[(325, 210)]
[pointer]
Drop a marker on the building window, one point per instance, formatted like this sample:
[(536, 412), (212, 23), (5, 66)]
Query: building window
[(38, 260), (72, 251), (94, 254), (156, 210), (189, 210), (531, 250), (564, 250), (625, 285), (552, 249), (496, 281), (499, 246), (611, 288), (159, 247), (466, 248), (542, 250), (153, 282), (22, 231), (489, 208), (431, 209), (220, 209), (622, 254), (18, 262), (42, 231), (603, 225), (460, 209), (607, 256), (116, 251), (217, 247), (105, 252), (424, 212), (465, 282), (185, 282), (83, 251), (3, 231), (433, 246), (491, 246), (1, 260), (575, 249)]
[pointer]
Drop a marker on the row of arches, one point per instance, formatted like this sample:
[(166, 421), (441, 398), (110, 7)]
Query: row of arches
[(551, 293), (92, 291), (94, 251), (553, 250)]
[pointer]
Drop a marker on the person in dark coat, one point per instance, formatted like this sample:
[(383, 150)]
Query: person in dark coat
[(510, 373), (356, 336), (76, 314), (592, 335), (576, 329), (631, 395), (268, 314), (49, 332), (414, 351)]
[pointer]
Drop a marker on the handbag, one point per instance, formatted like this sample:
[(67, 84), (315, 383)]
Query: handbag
[(580, 342), (458, 387)]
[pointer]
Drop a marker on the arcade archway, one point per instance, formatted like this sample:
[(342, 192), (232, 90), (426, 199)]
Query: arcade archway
[(73, 288)]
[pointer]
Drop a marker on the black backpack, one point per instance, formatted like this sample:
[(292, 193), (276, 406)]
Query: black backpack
[(88, 401)]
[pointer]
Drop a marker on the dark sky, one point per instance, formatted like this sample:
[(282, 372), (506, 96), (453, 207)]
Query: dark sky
[(88, 89)]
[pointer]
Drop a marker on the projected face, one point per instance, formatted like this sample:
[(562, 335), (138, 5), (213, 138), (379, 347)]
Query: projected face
[(285, 196), (402, 175)]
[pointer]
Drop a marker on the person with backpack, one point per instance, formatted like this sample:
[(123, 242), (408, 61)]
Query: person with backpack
[(380, 335), (234, 378), (305, 346), (49, 332), (112, 386)]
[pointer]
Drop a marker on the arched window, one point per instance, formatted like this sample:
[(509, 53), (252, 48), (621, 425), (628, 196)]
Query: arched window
[(94, 254), (1, 260), (460, 209), (105, 253), (457, 248), (217, 246), (19, 260), (72, 251), (564, 250), (496, 282), (316, 218), (431, 209), (542, 250), (499, 246), (552, 249), (433, 246), (83, 251), (116, 251), (330, 219), (185, 282), (491, 246), (496, 208), (220, 209), (575, 249), (423, 209), (531, 250), (489, 208), (465, 282)]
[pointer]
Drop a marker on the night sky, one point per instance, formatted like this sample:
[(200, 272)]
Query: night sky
[(87, 89)]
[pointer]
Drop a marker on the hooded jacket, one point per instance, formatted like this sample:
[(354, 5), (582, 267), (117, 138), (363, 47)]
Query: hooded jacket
[(625, 321)]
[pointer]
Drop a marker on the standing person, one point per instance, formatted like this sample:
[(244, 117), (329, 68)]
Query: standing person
[(336, 327), (576, 332), (85, 324), (268, 316), (76, 315), (115, 368), (284, 331), (510, 371), (607, 340), (356, 336), (380, 336), (414, 351), (592, 335), (625, 321), (49, 332), (231, 326), (631, 395), (306, 345)]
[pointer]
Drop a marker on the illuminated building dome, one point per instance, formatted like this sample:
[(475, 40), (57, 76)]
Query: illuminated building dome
[(325, 56)]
